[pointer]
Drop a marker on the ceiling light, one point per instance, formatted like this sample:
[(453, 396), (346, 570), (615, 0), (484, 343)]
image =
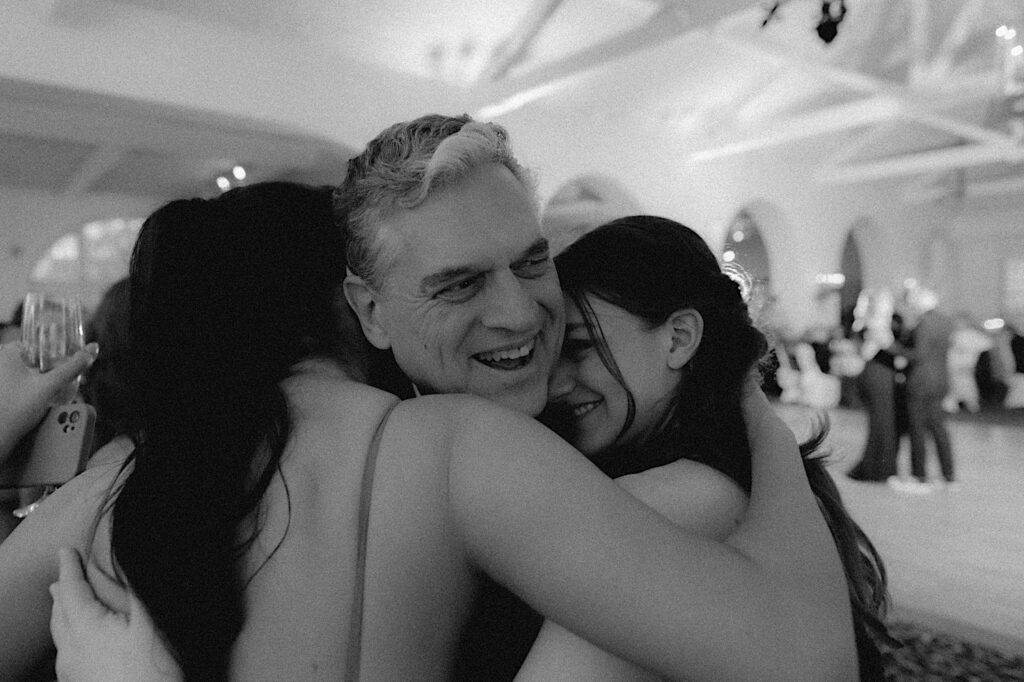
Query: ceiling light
[(1017, 50), (223, 183), (1001, 31), (238, 172), (729, 256), (738, 236)]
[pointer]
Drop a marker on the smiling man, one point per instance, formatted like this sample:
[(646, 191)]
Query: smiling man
[(447, 265)]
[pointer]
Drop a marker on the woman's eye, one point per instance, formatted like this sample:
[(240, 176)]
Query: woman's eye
[(574, 349), (533, 267)]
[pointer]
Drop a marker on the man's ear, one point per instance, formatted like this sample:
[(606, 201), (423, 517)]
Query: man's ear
[(686, 328), (363, 301)]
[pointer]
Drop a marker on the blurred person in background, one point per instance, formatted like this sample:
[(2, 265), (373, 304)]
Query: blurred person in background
[(967, 343), (873, 320), (927, 386)]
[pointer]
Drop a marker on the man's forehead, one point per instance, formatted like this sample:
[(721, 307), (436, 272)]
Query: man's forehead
[(439, 245)]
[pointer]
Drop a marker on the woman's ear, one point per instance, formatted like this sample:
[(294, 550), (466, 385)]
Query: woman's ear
[(686, 328), (363, 301)]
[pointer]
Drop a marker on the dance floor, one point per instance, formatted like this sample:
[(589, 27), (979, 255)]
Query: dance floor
[(955, 558)]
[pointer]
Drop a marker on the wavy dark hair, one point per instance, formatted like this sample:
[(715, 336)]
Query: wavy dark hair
[(227, 296), (106, 385), (651, 267)]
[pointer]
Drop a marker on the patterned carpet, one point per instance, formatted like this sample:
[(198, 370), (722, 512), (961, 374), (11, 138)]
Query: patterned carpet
[(932, 656)]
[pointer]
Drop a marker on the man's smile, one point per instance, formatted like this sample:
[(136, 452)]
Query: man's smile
[(510, 357)]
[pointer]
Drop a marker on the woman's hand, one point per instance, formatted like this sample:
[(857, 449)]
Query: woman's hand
[(26, 393), (95, 644)]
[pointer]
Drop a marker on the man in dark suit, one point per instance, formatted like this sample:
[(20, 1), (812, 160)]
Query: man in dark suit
[(927, 385)]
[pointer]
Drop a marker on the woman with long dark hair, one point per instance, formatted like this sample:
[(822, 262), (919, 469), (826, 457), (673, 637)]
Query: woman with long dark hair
[(659, 348)]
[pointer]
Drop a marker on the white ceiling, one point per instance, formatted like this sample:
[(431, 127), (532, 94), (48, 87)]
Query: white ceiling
[(913, 88)]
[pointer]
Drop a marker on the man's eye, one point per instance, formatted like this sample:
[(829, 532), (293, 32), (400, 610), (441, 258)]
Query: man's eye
[(533, 267), (461, 290), (574, 349)]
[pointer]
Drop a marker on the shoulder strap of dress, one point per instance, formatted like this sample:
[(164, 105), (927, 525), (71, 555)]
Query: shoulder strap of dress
[(356, 617)]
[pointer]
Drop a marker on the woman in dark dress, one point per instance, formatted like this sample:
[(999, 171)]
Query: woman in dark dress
[(877, 386)]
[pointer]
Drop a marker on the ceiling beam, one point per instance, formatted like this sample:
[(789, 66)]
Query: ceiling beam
[(513, 49), (858, 143), (666, 24), (919, 39), (823, 121), (95, 166), (852, 80), (956, 35), (950, 158), (969, 131)]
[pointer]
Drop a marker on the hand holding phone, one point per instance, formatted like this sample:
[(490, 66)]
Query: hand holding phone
[(56, 452)]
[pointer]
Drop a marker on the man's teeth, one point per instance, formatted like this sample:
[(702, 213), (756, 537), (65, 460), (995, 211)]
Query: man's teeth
[(510, 354)]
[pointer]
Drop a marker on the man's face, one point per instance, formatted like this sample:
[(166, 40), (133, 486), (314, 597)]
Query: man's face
[(471, 303)]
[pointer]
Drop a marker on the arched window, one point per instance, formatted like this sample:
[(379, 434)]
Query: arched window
[(582, 204), (744, 252), (88, 260)]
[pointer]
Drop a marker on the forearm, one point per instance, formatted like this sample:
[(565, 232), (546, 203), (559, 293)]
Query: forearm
[(561, 655)]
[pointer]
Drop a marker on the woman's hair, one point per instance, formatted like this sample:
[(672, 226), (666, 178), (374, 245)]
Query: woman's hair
[(106, 384), (227, 296), (652, 267)]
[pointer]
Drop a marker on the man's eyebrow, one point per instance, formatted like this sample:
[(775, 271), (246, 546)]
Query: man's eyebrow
[(447, 275)]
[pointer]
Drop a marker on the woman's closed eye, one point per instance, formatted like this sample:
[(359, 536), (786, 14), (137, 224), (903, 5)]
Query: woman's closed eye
[(574, 349), (532, 268)]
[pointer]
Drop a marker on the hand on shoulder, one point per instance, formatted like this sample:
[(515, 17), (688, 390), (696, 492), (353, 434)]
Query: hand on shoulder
[(97, 644), (691, 495)]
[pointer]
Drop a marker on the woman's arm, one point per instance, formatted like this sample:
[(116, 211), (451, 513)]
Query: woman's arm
[(29, 563), (540, 519), (690, 494)]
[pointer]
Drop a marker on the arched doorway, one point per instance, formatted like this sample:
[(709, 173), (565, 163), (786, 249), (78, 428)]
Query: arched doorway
[(582, 204), (745, 255)]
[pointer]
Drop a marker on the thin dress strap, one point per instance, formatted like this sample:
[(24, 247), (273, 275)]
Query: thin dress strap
[(355, 630)]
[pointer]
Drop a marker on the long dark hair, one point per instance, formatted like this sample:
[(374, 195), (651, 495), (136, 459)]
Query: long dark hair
[(651, 267), (227, 295), (106, 385)]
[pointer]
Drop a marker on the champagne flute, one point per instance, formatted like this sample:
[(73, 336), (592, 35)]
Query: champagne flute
[(51, 332)]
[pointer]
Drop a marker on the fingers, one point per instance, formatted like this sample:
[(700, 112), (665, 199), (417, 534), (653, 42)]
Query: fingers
[(61, 375), (58, 621), (76, 594)]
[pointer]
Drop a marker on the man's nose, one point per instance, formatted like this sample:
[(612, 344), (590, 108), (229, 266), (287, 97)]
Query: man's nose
[(511, 305), (562, 381)]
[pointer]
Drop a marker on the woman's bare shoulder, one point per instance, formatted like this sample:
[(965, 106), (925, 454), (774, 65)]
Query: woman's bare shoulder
[(323, 390), (463, 418)]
